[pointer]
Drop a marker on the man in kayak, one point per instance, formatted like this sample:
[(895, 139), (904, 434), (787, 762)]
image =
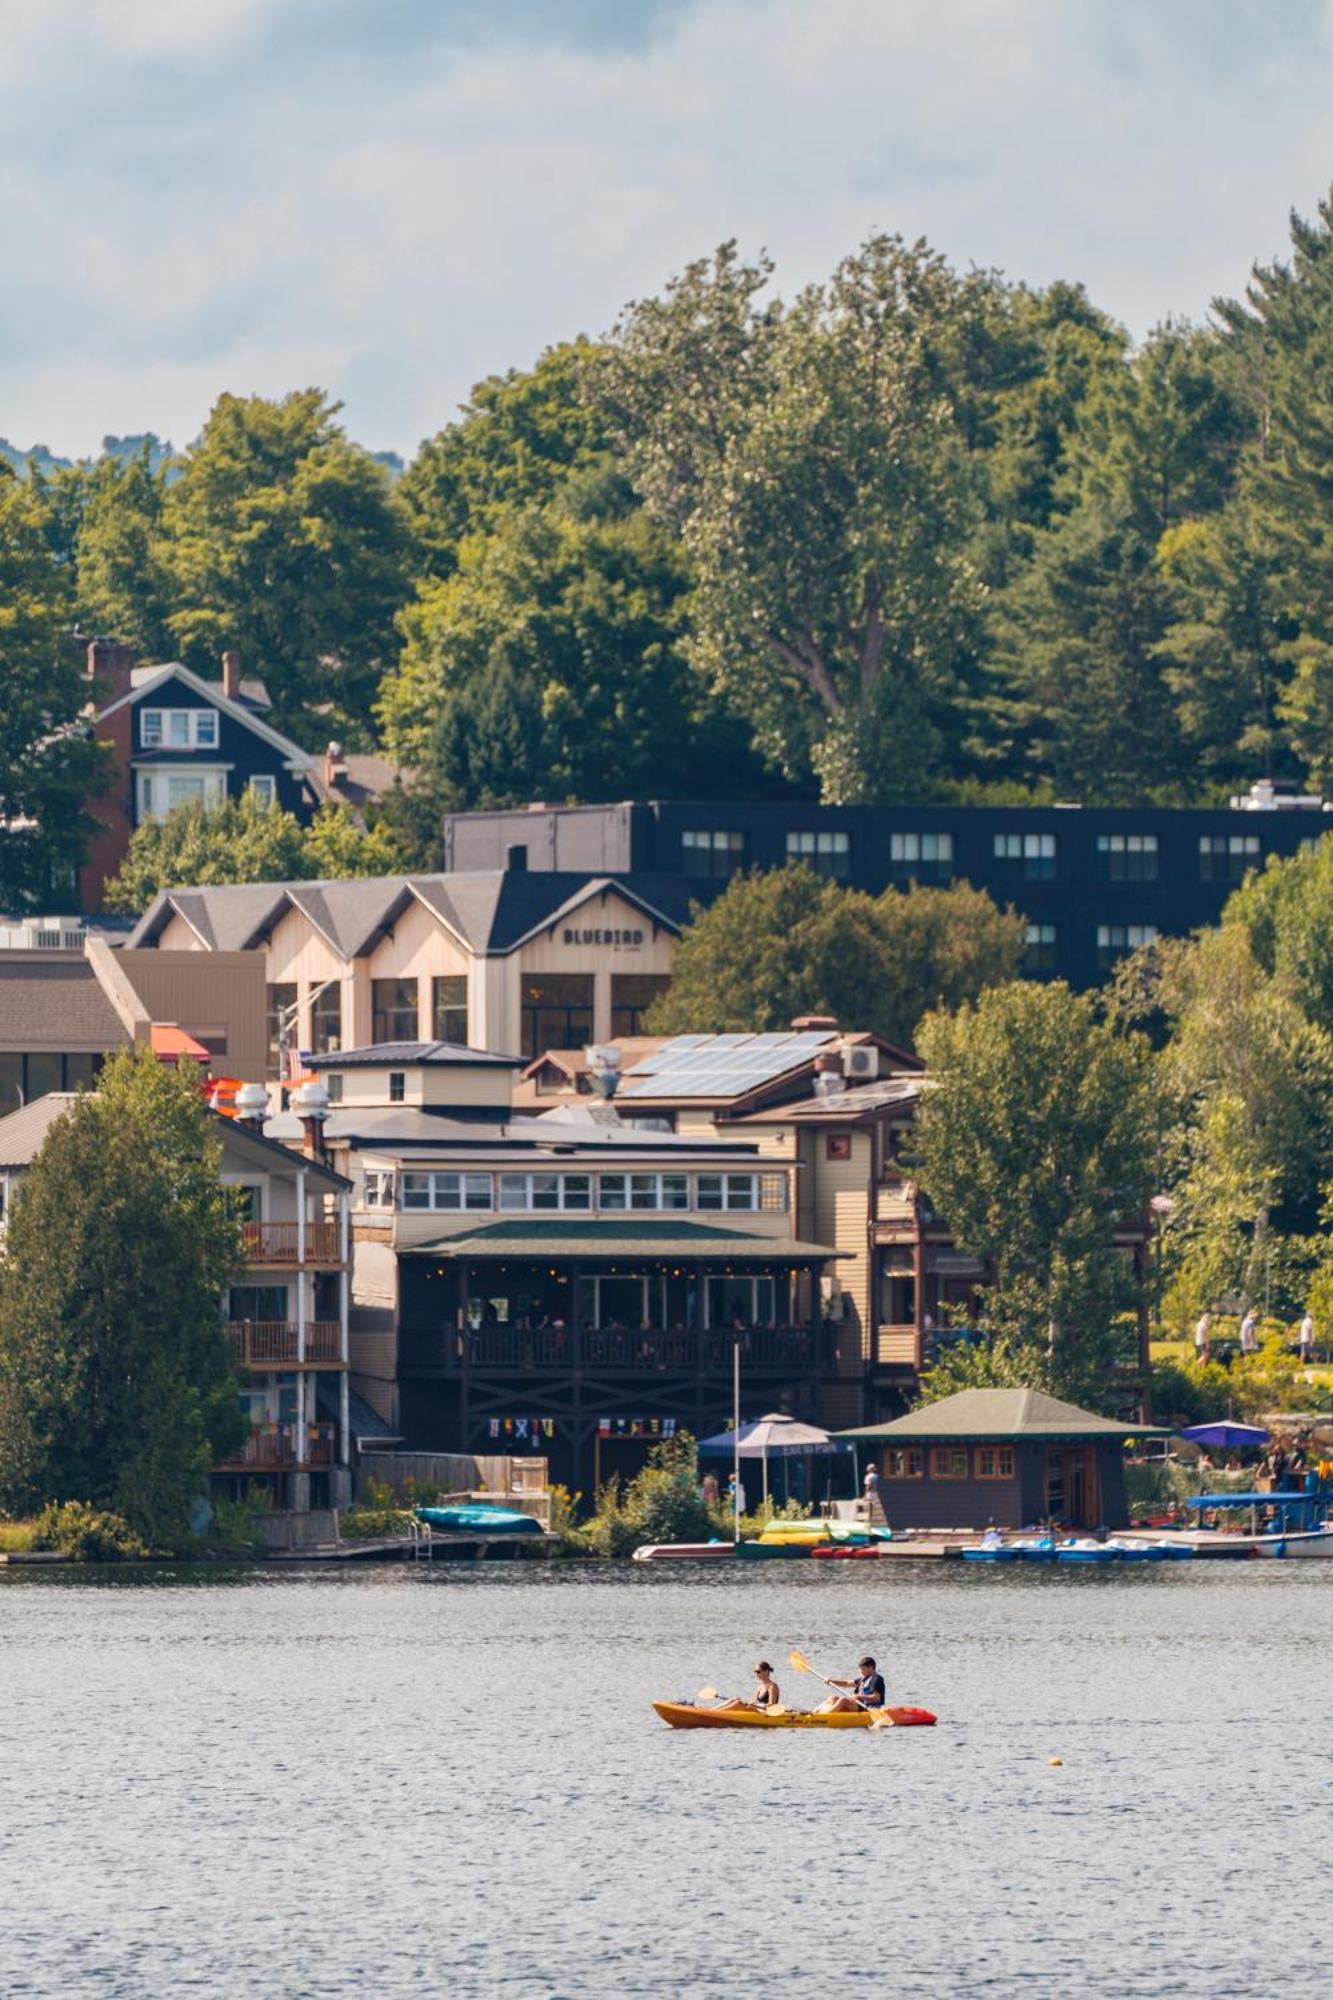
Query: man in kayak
[(867, 1687)]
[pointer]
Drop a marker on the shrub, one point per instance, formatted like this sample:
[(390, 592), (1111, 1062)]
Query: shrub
[(365, 1524), (85, 1535), (235, 1530), (662, 1503)]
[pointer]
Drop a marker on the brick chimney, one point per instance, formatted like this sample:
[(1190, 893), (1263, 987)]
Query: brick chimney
[(110, 665), (231, 675)]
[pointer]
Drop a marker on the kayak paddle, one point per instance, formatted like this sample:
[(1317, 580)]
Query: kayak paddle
[(879, 1717), (711, 1694)]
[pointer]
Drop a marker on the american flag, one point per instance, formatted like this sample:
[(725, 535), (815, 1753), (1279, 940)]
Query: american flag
[(293, 1069)]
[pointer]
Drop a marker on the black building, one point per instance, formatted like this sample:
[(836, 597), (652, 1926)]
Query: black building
[(1093, 882)]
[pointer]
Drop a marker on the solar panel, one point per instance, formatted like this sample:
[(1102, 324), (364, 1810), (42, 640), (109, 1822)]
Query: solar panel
[(721, 1065)]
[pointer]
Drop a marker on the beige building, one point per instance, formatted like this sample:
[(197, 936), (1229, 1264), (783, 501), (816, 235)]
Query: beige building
[(508, 961)]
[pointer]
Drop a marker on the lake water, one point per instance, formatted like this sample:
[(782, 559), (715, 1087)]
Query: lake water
[(392, 1782)]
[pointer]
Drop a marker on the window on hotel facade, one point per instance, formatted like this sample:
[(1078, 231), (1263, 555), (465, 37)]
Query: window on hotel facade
[(326, 1020), (1040, 948), (825, 853), (995, 1461), (1029, 855), (546, 1191), (643, 1191), (25, 1078), (448, 1008), (1227, 857), (921, 857), (1116, 941), (380, 1188), (711, 851), (393, 1006), (727, 1190), (632, 994), (445, 1190), (280, 1001), (1127, 857), (557, 1011), (948, 1461), (905, 1462)]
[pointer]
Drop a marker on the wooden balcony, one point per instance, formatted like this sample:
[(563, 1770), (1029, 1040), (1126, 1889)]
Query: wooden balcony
[(275, 1343), (277, 1448), (895, 1204), (501, 1349), (272, 1245)]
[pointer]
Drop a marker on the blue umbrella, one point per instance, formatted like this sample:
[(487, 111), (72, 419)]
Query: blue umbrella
[(1226, 1433), (773, 1436)]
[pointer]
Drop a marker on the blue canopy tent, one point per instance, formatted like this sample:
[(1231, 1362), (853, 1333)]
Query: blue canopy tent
[(1292, 1511), (1237, 1436)]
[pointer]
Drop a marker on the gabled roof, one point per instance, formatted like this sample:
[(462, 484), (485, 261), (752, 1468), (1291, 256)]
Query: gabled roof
[(54, 1000), (239, 711), (23, 1132), (999, 1413), (535, 1237), (491, 914)]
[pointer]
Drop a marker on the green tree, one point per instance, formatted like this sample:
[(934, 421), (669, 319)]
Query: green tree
[(242, 840), (1085, 688), (117, 1385), (248, 840), (550, 665), (812, 460), (48, 762), (120, 585), (287, 542), (789, 942), (1037, 1141)]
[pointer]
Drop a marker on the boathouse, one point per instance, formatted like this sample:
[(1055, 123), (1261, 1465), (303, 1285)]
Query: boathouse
[(1013, 1457)]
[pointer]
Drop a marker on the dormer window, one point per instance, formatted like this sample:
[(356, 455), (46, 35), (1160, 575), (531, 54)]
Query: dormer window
[(178, 728)]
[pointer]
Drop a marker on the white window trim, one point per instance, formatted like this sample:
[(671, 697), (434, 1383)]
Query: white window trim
[(164, 718), (264, 786), (145, 775)]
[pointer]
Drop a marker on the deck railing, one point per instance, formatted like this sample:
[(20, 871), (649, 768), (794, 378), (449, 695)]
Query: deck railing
[(275, 1343), (615, 1350), (273, 1243), (278, 1446)]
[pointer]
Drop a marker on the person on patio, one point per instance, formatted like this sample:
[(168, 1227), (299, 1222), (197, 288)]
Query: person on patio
[(867, 1686)]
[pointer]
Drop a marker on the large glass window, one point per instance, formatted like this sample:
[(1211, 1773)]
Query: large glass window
[(444, 1190), (557, 1011), (326, 1020), (160, 791), (546, 1191), (280, 1004), (1227, 857), (711, 851), (921, 857), (632, 994), (1115, 941), (825, 853), (258, 1302), (393, 1006), (1029, 855), (727, 1190), (1040, 948), (742, 1301), (448, 1008), (1127, 857)]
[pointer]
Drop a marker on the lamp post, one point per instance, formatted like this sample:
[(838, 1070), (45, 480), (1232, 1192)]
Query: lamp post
[(736, 1437)]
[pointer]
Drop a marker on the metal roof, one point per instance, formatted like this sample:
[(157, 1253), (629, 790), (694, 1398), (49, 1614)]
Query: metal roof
[(383, 1055)]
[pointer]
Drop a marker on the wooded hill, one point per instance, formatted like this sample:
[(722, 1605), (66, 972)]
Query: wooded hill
[(911, 534)]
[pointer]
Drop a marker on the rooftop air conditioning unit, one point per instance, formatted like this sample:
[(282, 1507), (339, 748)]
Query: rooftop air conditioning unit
[(860, 1064)]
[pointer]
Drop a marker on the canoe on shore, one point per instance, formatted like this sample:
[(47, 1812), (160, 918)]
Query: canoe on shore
[(684, 1715)]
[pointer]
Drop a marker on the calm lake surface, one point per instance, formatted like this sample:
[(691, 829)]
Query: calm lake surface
[(391, 1782)]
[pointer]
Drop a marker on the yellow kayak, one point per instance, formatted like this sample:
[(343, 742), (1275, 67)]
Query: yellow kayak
[(684, 1715)]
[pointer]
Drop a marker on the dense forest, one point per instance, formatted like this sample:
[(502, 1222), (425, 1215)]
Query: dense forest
[(912, 533)]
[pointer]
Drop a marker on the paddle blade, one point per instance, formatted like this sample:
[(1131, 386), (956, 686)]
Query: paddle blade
[(883, 1720), (801, 1664), (707, 1694)]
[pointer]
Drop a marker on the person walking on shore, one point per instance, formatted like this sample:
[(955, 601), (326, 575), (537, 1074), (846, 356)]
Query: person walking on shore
[(1201, 1331), (1249, 1332), (1305, 1338)]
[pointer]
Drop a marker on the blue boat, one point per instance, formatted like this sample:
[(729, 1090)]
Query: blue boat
[(478, 1519), (995, 1551)]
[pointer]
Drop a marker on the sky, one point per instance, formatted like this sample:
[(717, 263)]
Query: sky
[(394, 198)]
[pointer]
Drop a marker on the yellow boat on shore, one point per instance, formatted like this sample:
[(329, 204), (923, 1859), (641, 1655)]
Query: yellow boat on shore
[(686, 1715)]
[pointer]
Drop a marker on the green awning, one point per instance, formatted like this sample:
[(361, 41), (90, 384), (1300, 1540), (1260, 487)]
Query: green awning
[(999, 1415)]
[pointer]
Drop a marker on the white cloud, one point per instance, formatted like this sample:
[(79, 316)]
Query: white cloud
[(200, 198)]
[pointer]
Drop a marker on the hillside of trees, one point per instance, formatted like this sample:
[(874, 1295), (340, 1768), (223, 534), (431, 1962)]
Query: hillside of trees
[(913, 533)]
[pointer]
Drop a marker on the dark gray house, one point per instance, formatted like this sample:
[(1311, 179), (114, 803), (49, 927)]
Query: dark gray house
[(1014, 1457)]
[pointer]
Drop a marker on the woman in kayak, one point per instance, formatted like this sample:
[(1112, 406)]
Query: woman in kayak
[(867, 1686), (767, 1693)]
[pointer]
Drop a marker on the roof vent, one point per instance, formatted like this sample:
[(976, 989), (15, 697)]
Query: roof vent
[(251, 1104)]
